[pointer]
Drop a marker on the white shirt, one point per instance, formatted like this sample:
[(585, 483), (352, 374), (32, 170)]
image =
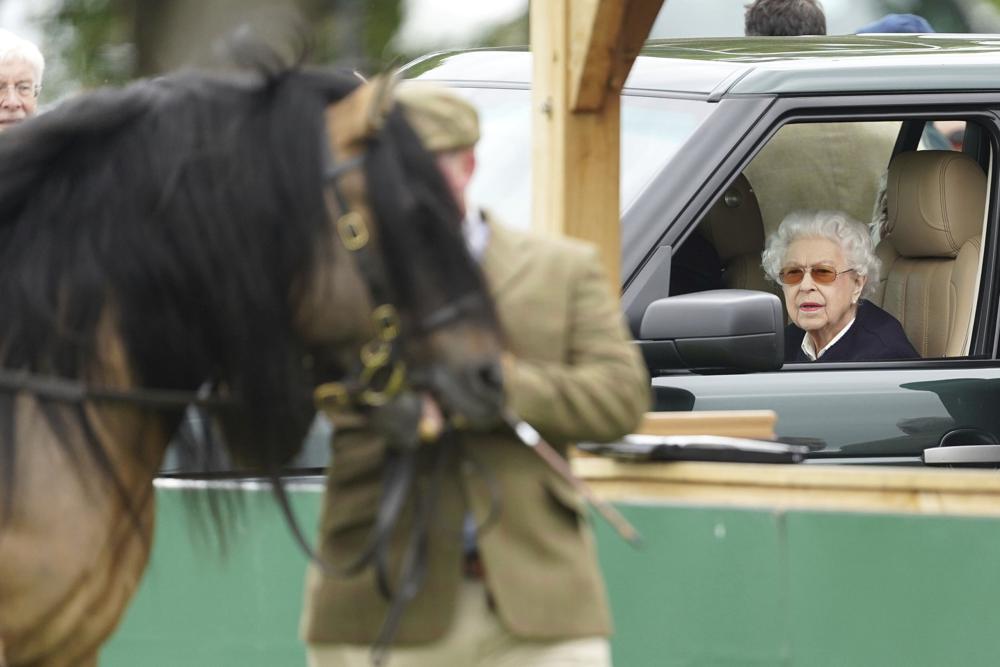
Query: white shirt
[(476, 232), (810, 351)]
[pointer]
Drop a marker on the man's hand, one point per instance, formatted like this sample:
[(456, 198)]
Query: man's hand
[(399, 420)]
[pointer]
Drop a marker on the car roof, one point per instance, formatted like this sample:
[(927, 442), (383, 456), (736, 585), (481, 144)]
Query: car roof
[(719, 67)]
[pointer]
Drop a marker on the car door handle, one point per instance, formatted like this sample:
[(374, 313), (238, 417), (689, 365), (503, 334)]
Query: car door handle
[(967, 455)]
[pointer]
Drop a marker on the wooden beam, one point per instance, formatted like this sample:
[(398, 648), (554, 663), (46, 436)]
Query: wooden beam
[(730, 423), (580, 50), (785, 487), (575, 155), (596, 32), (638, 21), (606, 38)]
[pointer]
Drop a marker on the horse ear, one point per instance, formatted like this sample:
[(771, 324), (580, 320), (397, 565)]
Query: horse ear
[(361, 115)]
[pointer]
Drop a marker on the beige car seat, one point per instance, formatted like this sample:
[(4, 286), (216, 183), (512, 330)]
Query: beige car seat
[(734, 228), (821, 167), (931, 248)]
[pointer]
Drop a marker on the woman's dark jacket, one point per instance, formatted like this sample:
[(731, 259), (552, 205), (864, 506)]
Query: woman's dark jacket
[(875, 335)]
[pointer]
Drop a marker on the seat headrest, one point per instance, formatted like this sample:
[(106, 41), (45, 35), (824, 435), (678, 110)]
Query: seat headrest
[(936, 202), (733, 225)]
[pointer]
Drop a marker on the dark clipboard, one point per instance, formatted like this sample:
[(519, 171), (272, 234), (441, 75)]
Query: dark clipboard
[(639, 447)]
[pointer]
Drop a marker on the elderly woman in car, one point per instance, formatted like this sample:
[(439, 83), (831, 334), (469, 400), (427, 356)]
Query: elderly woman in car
[(825, 263)]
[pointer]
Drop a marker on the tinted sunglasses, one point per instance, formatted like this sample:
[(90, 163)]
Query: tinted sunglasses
[(822, 274)]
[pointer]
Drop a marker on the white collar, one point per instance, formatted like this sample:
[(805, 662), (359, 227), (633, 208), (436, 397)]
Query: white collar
[(476, 232), (810, 350)]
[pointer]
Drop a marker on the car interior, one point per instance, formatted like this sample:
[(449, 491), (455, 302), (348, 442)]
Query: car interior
[(920, 185)]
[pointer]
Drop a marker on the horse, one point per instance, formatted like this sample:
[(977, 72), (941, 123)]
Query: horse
[(242, 242)]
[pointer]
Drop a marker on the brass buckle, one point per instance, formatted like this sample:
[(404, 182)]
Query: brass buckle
[(331, 396), (374, 354), (386, 321), (393, 384), (353, 230)]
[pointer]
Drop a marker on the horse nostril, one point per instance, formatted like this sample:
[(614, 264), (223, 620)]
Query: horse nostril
[(490, 376)]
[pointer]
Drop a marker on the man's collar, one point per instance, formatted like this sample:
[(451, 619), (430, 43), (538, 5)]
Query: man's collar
[(476, 232)]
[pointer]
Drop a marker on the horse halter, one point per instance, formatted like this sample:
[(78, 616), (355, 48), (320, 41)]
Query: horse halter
[(382, 373)]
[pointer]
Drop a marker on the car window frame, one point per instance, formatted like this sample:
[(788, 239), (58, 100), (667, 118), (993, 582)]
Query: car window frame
[(650, 221), (779, 111)]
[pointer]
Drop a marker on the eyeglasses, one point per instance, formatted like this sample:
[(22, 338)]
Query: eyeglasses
[(821, 273), (21, 89)]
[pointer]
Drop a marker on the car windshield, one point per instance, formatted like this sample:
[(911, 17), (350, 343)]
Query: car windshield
[(724, 18), (653, 129)]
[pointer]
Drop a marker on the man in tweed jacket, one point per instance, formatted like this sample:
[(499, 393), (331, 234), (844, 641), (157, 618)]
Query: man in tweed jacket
[(527, 591)]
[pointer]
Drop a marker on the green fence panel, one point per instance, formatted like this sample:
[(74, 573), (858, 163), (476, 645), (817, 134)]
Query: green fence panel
[(710, 587), (706, 588), (199, 607), (804, 588), (894, 590)]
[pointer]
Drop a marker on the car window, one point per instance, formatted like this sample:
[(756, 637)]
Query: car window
[(929, 279), (653, 130), (945, 135), (872, 412)]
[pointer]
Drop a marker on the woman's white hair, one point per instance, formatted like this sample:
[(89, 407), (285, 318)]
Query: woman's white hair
[(852, 236), (14, 48)]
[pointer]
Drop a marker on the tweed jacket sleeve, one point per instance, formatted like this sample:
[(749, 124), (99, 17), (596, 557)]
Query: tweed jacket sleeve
[(581, 378)]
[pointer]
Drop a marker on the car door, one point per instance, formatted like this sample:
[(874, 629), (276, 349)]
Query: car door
[(868, 412)]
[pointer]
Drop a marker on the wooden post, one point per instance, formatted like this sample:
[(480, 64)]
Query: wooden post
[(583, 50)]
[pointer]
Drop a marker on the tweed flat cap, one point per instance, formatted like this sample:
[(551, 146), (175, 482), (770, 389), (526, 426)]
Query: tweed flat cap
[(443, 120)]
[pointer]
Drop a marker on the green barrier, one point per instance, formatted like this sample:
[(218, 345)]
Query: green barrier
[(811, 589), (198, 607), (711, 587)]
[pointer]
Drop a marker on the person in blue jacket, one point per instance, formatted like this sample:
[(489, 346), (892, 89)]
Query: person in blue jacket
[(897, 23), (825, 263)]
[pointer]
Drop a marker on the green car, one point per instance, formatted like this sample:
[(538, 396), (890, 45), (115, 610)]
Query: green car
[(721, 138)]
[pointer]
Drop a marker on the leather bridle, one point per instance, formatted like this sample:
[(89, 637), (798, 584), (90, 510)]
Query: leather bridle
[(380, 362), (380, 374)]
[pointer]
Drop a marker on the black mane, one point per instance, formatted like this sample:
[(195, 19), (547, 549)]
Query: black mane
[(188, 205)]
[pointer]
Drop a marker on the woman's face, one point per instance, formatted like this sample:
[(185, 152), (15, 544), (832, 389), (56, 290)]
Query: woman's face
[(822, 310)]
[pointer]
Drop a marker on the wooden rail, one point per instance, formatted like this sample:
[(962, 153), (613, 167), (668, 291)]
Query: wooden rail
[(796, 486)]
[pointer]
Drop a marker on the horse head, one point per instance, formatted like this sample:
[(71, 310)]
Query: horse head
[(430, 324)]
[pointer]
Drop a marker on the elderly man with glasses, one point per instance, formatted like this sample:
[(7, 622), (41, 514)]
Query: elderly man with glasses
[(21, 68)]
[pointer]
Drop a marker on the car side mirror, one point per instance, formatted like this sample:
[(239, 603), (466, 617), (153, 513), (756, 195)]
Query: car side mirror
[(726, 330)]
